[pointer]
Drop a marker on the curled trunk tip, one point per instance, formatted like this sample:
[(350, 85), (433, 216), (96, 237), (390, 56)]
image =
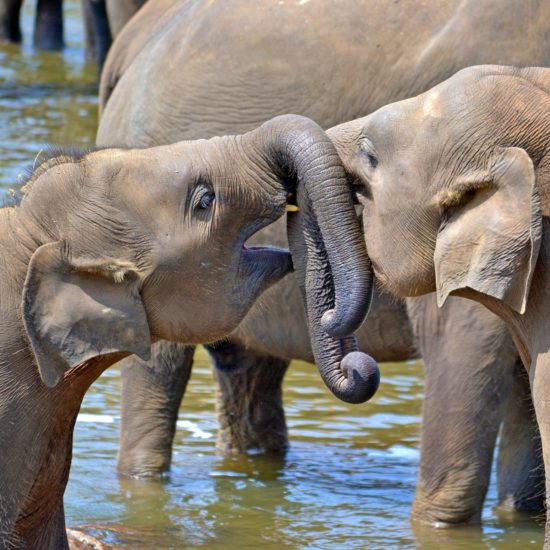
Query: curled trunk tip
[(360, 378)]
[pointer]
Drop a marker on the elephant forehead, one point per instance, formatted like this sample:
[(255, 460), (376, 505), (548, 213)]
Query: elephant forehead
[(433, 105)]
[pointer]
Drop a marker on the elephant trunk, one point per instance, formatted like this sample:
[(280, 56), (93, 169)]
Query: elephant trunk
[(328, 251)]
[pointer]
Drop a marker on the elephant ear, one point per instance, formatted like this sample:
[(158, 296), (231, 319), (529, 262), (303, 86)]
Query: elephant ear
[(491, 240), (77, 309)]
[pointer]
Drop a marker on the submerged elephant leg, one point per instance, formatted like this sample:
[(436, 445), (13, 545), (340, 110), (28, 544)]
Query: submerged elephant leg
[(10, 29), (96, 31), (48, 25), (520, 469), (151, 395), (249, 400), (469, 359)]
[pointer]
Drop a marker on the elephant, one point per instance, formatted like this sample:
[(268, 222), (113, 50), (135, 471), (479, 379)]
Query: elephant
[(104, 19), (120, 12), (105, 252), (463, 172), (48, 25), (186, 70)]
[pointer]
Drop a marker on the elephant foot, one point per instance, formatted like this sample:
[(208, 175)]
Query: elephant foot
[(249, 402), (444, 512), (520, 468), (78, 540), (529, 505)]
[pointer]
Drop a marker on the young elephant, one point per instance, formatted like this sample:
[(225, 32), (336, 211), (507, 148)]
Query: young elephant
[(111, 250), (455, 188)]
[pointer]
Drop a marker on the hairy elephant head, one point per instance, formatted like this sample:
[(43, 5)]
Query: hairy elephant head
[(448, 185), (141, 244)]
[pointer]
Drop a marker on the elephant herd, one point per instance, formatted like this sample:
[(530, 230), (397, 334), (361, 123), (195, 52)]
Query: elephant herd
[(114, 255), (103, 20)]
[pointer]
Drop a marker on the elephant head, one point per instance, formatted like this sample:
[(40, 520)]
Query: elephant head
[(448, 183), (135, 245)]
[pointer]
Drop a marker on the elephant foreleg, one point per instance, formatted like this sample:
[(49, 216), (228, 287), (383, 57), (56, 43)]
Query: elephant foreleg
[(249, 400), (151, 395), (469, 361), (48, 25), (10, 29), (520, 469)]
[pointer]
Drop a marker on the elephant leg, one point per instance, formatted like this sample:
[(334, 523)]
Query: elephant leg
[(48, 25), (10, 29), (151, 395), (469, 359), (540, 386), (97, 31), (89, 36), (520, 470), (249, 401)]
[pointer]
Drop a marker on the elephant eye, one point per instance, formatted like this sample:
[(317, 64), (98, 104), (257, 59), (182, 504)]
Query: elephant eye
[(367, 149), (372, 160), (206, 200), (203, 195)]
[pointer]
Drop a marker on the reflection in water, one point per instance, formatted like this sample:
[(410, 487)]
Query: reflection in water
[(346, 482)]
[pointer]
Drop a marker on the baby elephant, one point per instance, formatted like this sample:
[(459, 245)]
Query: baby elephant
[(455, 185), (107, 251)]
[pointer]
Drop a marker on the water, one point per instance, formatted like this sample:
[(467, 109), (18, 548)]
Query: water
[(348, 480)]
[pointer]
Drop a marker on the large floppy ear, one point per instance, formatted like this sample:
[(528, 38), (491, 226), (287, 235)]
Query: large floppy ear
[(491, 240), (77, 309)]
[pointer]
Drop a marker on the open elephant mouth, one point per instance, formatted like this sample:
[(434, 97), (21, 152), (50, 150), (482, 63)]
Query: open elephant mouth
[(263, 266)]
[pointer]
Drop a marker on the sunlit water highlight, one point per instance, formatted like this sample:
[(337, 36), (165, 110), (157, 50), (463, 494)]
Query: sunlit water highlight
[(348, 479)]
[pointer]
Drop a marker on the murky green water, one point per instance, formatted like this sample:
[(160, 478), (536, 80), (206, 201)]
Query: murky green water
[(348, 479)]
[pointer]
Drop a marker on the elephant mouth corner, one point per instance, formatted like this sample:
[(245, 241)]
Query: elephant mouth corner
[(264, 265)]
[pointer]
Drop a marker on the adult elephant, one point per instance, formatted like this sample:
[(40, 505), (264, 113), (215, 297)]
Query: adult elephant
[(196, 69), (463, 172)]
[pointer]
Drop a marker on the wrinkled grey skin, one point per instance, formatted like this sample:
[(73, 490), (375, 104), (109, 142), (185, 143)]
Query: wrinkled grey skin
[(463, 172), (220, 84), (109, 251)]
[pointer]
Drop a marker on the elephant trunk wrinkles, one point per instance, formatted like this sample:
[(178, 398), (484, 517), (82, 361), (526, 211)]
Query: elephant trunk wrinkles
[(328, 251)]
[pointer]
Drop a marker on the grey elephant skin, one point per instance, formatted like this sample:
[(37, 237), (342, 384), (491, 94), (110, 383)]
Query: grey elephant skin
[(105, 252), (120, 12), (463, 172), (187, 69)]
